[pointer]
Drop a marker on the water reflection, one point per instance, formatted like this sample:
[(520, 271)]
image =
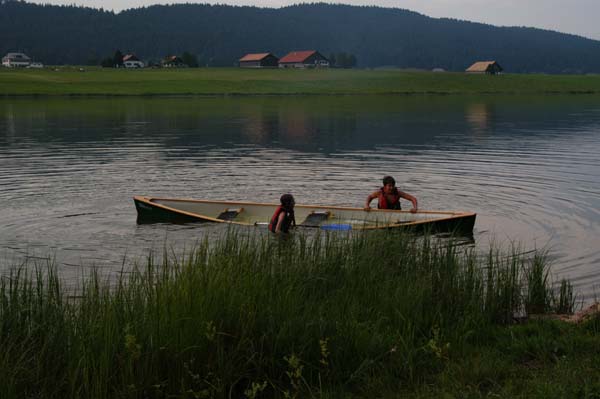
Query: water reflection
[(321, 124), (528, 166), (478, 116), (9, 126)]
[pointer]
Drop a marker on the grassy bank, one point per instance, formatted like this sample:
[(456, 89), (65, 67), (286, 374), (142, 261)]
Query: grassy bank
[(253, 316), (235, 81)]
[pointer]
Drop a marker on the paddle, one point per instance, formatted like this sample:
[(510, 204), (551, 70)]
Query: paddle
[(336, 227)]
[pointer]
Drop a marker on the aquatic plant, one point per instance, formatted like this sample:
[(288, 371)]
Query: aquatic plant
[(252, 315)]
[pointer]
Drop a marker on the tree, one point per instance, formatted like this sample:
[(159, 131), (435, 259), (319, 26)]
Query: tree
[(351, 61), (219, 36), (189, 59), (332, 60), (118, 59), (340, 60), (344, 60), (107, 63)]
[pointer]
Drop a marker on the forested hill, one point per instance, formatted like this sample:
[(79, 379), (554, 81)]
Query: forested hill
[(218, 35)]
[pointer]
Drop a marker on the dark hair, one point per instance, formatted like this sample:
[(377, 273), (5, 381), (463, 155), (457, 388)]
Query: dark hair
[(389, 180), (287, 200)]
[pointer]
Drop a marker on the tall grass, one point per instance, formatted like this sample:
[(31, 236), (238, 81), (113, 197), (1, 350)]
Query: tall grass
[(253, 316)]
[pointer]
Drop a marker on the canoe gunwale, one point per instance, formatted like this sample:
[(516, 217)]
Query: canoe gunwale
[(344, 208), (451, 217)]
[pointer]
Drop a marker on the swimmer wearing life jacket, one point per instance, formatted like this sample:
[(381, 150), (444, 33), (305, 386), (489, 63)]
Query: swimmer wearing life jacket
[(283, 218), (388, 196)]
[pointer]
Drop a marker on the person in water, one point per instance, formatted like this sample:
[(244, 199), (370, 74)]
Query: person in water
[(389, 196), (283, 218)]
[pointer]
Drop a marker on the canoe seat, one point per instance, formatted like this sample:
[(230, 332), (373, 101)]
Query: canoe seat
[(315, 218), (230, 213)]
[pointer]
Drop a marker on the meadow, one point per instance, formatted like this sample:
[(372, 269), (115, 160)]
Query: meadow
[(336, 316), (94, 81)]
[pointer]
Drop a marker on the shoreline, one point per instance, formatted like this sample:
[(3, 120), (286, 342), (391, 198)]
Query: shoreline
[(301, 94), (236, 82), (291, 319)]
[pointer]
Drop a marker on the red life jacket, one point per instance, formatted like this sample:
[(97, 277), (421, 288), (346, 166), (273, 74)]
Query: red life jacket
[(383, 202), (287, 220)]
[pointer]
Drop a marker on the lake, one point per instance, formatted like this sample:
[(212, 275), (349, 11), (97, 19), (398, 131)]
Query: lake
[(529, 167)]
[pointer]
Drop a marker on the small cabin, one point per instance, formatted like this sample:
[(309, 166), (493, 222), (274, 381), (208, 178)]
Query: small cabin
[(16, 60), (173, 61), (132, 61), (304, 59), (259, 60), (487, 67)]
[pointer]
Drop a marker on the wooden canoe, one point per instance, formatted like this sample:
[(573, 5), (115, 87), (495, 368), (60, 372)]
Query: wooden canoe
[(173, 210)]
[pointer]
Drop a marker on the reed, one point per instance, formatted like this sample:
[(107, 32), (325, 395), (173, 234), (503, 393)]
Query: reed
[(252, 316)]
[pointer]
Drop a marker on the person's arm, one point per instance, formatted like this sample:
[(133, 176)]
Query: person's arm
[(279, 222), (370, 198), (412, 199)]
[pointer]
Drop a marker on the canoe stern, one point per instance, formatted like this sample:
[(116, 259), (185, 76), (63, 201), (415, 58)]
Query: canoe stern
[(148, 212)]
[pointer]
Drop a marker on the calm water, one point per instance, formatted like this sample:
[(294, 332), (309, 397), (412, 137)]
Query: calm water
[(530, 168)]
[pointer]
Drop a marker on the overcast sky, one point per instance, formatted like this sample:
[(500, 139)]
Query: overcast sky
[(570, 16)]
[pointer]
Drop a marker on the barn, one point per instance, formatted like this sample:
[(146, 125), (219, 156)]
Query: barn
[(488, 67), (304, 59), (259, 60)]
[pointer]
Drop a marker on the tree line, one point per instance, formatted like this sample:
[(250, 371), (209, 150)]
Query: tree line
[(218, 35)]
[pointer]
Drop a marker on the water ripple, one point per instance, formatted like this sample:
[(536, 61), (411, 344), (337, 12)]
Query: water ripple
[(66, 184)]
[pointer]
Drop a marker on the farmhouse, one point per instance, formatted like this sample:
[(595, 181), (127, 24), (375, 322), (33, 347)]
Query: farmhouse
[(173, 61), (489, 67), (131, 61), (16, 60), (304, 59), (259, 60)]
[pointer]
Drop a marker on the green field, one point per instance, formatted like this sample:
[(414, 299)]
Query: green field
[(234, 81), (251, 316)]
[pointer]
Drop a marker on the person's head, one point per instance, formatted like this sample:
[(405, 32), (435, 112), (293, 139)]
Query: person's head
[(287, 201), (389, 183)]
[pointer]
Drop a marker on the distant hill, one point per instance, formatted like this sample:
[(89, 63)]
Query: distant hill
[(218, 35)]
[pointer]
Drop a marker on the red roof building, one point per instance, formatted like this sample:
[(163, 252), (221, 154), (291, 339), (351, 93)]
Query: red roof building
[(130, 57), (132, 61), (259, 60), (304, 59), (172, 61)]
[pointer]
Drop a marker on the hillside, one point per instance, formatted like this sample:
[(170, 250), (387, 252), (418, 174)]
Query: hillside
[(218, 35)]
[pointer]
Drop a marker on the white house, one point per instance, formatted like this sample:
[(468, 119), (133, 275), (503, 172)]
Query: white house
[(131, 61), (16, 60)]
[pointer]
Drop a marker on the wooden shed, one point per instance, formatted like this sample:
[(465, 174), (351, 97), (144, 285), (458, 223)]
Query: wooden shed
[(259, 60), (489, 67), (304, 59)]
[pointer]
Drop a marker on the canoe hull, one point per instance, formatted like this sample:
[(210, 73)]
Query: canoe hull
[(462, 226), (147, 214), (171, 210)]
